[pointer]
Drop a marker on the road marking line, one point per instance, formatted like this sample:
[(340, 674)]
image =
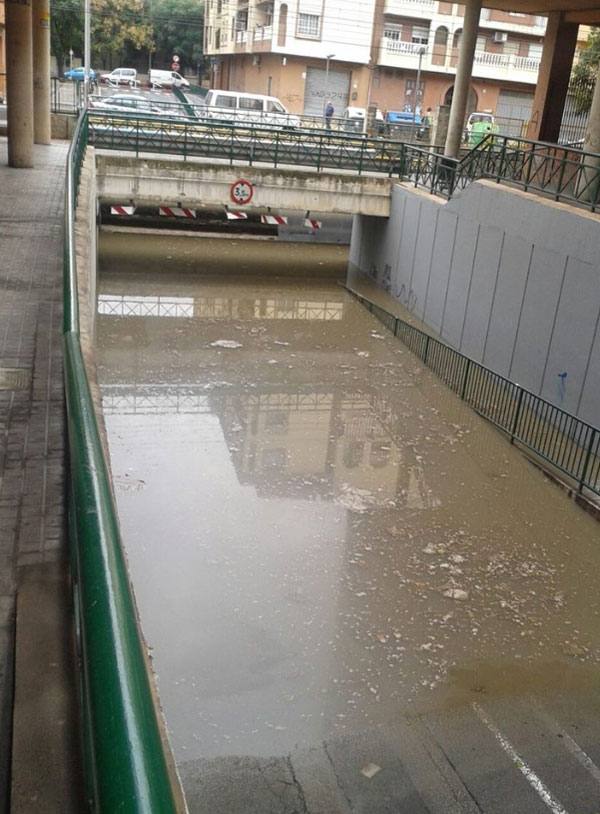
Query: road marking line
[(571, 745), (534, 781)]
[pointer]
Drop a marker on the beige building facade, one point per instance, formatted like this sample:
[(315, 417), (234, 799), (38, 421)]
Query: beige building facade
[(307, 51), (2, 52)]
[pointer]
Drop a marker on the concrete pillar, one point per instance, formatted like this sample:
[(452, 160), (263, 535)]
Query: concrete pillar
[(41, 71), (462, 82), (19, 83), (553, 78)]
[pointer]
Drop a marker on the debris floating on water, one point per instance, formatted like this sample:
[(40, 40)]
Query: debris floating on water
[(226, 343)]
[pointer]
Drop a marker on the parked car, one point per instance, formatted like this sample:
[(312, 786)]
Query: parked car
[(478, 124), (78, 74), (127, 103), (251, 108), (167, 79), (354, 119), (120, 76)]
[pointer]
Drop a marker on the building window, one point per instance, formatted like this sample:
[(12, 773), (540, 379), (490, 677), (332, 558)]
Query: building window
[(413, 96), (308, 25), (219, 6), (392, 32), (420, 34)]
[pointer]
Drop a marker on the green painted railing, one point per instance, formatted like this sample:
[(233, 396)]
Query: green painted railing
[(125, 762), (556, 436)]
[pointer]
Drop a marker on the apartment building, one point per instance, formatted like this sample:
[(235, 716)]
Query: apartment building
[(372, 52)]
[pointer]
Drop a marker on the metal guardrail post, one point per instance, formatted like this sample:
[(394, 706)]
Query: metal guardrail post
[(588, 457), (276, 148), (426, 352), (515, 424), (360, 160), (319, 152), (561, 177), (137, 138), (465, 381)]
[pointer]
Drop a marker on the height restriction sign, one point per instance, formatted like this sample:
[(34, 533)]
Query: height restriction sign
[(241, 191)]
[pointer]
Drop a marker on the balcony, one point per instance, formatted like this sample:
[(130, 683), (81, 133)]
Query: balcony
[(411, 8), (263, 33), (399, 54), (519, 24)]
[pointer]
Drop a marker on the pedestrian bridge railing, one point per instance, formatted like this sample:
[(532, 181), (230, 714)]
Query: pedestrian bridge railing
[(556, 436), (125, 761), (563, 173)]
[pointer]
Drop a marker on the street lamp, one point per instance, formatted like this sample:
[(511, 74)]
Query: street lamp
[(422, 51), (86, 52), (329, 57)]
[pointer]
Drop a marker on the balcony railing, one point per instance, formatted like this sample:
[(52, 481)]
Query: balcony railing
[(415, 6), (241, 37), (507, 61), (263, 32), (401, 47)]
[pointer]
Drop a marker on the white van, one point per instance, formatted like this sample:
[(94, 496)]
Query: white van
[(254, 108), (120, 76), (167, 79)]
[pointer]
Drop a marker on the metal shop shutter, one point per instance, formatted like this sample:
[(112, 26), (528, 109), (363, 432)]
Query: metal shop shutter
[(318, 90), (514, 108)]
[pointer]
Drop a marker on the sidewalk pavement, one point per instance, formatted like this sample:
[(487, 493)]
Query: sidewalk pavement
[(38, 710)]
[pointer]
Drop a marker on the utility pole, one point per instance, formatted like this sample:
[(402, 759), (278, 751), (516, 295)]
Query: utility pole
[(329, 57), (86, 52), (422, 51)]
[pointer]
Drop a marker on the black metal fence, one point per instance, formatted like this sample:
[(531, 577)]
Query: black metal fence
[(559, 438)]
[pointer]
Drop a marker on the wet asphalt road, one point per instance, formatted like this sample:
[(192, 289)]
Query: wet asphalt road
[(359, 597)]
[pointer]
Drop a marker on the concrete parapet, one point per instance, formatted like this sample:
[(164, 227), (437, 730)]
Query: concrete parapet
[(164, 182)]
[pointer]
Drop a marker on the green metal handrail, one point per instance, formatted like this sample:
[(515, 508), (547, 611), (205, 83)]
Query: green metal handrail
[(125, 761), (558, 437)]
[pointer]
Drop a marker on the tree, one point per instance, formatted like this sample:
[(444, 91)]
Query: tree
[(117, 26), (585, 71), (66, 30), (178, 29)]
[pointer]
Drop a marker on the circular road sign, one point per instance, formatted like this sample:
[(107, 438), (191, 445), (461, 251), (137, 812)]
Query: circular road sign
[(241, 191)]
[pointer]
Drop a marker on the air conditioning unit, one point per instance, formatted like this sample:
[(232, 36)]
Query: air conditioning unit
[(499, 36)]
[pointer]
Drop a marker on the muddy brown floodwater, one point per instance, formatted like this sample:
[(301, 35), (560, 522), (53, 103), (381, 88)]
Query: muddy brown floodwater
[(359, 597)]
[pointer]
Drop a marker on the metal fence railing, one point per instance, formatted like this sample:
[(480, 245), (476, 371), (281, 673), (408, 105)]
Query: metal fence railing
[(563, 173), (557, 437), (125, 762)]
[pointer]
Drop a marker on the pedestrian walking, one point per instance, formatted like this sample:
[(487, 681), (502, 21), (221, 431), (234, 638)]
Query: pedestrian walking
[(329, 111)]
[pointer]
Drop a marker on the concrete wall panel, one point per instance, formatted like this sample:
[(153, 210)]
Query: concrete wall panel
[(537, 318), (441, 260), (590, 396), (574, 330), (483, 282), (506, 307), (459, 281), (408, 241)]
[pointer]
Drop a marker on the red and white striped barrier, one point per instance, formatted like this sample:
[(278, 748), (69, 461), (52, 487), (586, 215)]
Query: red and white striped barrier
[(312, 224), (122, 210), (236, 215), (176, 212), (274, 220)]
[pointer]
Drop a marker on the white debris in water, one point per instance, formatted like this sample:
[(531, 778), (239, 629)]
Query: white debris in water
[(456, 593), (225, 343), (356, 500), (370, 770), (364, 353), (375, 335), (277, 342)]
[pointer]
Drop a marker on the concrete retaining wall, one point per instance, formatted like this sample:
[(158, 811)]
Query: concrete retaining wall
[(508, 278)]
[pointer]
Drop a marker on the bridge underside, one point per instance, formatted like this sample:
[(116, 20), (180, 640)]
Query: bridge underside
[(164, 182)]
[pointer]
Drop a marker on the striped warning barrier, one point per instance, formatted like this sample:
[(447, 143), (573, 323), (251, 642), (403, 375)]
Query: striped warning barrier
[(176, 212), (236, 215), (274, 220), (310, 223), (122, 210)]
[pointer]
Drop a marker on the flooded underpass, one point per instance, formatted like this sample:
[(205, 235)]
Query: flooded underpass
[(357, 595)]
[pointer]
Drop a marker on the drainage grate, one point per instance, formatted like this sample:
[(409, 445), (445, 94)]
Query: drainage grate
[(14, 378)]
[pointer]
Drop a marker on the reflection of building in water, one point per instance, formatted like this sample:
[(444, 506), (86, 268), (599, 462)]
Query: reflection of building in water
[(320, 442), (268, 308), (315, 443)]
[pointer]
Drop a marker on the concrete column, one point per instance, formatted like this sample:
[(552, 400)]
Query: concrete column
[(462, 82), (41, 71), (19, 83), (592, 130), (553, 78)]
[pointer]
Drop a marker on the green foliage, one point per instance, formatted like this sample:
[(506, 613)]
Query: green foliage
[(178, 29), (118, 26), (583, 78), (66, 31)]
